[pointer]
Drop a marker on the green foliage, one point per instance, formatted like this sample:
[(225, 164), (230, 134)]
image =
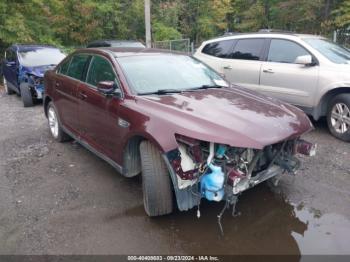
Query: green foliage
[(163, 32), (342, 15), (74, 23)]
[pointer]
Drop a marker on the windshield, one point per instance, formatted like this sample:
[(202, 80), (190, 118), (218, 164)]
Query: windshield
[(335, 53), (151, 73), (42, 56)]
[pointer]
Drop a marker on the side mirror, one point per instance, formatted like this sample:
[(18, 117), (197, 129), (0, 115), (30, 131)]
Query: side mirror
[(105, 87), (108, 89), (304, 60)]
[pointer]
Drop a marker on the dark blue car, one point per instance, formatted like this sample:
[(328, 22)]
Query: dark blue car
[(24, 67)]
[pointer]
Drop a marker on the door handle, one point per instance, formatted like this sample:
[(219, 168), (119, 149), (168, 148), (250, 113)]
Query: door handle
[(57, 84), (268, 71), (83, 96), (228, 67)]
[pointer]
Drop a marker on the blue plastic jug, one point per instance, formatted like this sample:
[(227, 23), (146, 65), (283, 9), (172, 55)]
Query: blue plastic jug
[(212, 184)]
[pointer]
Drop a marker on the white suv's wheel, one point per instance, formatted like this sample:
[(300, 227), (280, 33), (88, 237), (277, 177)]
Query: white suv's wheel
[(338, 117)]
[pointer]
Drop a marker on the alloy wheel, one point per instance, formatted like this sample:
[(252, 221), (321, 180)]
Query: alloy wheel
[(53, 122), (340, 118)]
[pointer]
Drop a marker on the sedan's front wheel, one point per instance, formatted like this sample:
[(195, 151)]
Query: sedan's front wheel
[(338, 117), (26, 95), (54, 124), (156, 184)]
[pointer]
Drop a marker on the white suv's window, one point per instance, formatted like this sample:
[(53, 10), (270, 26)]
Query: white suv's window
[(222, 49), (284, 51), (248, 49)]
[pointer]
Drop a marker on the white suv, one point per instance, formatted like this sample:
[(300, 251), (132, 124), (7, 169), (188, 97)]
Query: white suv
[(305, 70)]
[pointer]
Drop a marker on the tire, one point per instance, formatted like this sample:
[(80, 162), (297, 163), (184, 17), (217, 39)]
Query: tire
[(26, 95), (338, 117), (156, 184), (55, 125), (7, 89)]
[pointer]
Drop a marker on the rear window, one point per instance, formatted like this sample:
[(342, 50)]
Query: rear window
[(248, 49), (222, 49), (77, 66)]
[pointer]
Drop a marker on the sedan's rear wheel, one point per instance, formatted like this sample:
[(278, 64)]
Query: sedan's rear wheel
[(338, 117), (156, 184), (7, 89), (54, 124)]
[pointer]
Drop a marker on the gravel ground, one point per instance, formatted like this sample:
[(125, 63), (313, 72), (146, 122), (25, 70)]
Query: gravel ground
[(61, 199)]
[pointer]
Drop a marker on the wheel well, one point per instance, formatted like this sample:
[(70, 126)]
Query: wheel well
[(132, 157), (46, 102), (321, 110)]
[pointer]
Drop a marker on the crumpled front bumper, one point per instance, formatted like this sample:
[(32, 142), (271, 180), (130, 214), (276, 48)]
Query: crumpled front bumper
[(245, 183)]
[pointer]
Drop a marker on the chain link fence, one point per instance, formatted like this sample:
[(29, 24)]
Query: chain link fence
[(342, 37), (181, 45)]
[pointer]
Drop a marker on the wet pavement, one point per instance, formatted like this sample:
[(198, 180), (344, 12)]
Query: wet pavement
[(61, 199)]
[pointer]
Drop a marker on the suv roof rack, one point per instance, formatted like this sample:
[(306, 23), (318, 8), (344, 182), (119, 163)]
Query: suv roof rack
[(268, 30)]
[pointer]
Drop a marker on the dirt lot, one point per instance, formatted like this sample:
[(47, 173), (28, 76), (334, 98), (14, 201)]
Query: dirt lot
[(61, 199)]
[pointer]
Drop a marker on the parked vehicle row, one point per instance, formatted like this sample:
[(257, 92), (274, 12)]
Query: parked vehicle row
[(24, 67), (305, 70), (172, 118), (185, 123)]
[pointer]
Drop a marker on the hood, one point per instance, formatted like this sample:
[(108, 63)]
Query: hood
[(38, 71), (230, 116)]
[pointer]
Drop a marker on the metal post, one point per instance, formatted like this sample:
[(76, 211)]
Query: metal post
[(148, 23)]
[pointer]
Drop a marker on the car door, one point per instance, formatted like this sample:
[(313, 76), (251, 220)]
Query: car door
[(243, 67), (11, 69), (99, 113), (69, 75), (282, 78)]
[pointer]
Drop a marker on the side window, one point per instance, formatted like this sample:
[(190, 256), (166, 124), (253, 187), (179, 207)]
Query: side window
[(10, 56), (284, 51), (248, 49), (222, 49), (77, 66), (63, 69), (100, 70)]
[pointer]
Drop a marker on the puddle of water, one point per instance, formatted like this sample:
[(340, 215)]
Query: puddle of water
[(267, 225), (328, 234)]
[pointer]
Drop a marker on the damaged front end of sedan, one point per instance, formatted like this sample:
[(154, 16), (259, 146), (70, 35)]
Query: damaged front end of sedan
[(219, 172), (33, 79)]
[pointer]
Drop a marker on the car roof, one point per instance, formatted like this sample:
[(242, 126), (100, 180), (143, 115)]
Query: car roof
[(277, 34), (131, 51), (29, 47)]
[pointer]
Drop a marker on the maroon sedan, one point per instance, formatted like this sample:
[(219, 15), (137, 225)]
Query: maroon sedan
[(174, 120)]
